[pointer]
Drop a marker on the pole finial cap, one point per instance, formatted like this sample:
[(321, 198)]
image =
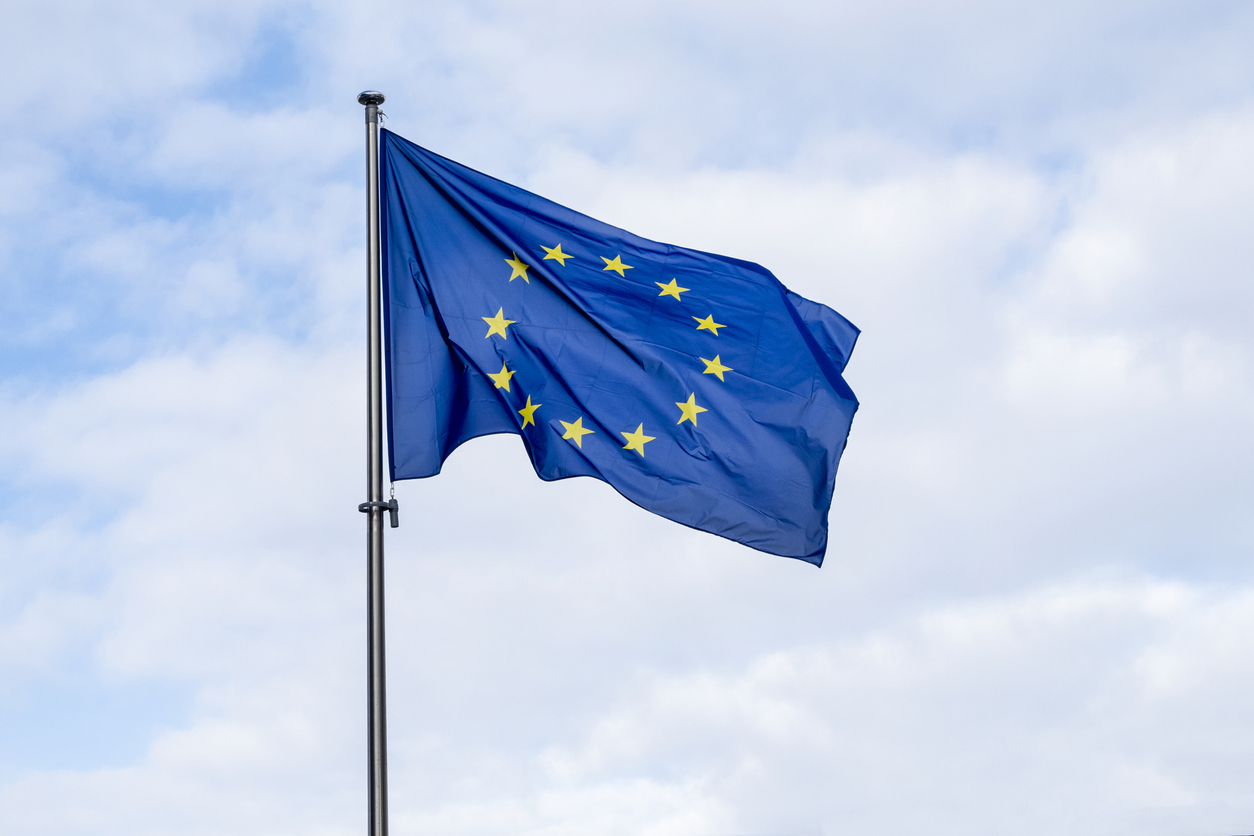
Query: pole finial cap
[(370, 97)]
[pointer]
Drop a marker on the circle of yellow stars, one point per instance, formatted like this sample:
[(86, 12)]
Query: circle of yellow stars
[(575, 431)]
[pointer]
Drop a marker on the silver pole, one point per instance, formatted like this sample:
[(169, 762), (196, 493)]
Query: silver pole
[(377, 690)]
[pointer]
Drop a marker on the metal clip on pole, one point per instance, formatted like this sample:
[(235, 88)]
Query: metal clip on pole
[(392, 506)]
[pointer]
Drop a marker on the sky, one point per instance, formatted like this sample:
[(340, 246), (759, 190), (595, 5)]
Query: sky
[(1036, 611)]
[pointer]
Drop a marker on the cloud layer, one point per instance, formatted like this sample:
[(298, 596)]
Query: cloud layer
[(1034, 613)]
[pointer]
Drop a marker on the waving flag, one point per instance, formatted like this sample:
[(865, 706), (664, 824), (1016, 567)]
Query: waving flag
[(696, 385)]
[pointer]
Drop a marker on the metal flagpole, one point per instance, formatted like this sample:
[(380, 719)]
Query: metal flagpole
[(375, 505)]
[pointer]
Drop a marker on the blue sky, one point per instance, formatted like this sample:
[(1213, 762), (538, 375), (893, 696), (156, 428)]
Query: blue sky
[(1035, 613)]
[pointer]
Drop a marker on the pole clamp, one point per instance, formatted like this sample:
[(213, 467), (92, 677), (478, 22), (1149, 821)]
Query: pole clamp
[(392, 506)]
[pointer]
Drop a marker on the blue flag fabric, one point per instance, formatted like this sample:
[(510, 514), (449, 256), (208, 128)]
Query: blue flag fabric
[(696, 385)]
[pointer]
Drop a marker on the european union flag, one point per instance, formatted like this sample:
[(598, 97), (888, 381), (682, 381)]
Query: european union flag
[(696, 385)]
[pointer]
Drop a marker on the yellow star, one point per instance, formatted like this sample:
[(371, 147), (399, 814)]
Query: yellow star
[(501, 378), (715, 366), (689, 409), (637, 440), (528, 412), (672, 289), (575, 432), (556, 254), (520, 269), (497, 324), (616, 265), (708, 324)]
